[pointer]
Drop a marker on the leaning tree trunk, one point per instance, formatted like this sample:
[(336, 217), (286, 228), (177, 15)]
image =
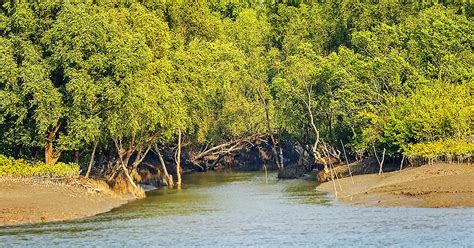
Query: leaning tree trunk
[(381, 163), (401, 163), (316, 154), (123, 159), (168, 178), (127, 174)]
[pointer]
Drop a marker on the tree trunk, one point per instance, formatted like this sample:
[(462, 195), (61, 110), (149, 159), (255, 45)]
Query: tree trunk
[(282, 164), (76, 156), (178, 161), (381, 162), (269, 129), (48, 153), (275, 153), (37, 155), (130, 179), (401, 163), (141, 155), (91, 162), (375, 153), (168, 178), (124, 157), (266, 172), (51, 157), (316, 131)]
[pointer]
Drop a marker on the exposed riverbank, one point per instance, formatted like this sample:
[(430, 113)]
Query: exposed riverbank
[(431, 186), (25, 201)]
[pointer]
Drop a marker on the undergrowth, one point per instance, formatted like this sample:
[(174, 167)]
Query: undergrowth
[(21, 168)]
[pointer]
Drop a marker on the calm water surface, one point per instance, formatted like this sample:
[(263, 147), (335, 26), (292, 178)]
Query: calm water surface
[(240, 209)]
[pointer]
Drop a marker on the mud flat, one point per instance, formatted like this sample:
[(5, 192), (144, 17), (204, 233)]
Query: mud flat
[(430, 186), (25, 201)]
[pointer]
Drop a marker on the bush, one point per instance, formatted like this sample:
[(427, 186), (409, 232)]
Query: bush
[(22, 168), (443, 149)]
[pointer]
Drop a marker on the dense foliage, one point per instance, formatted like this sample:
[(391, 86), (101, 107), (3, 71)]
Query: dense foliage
[(128, 74), (21, 168)]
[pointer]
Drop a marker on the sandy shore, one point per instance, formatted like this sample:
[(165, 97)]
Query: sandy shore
[(24, 201), (432, 186)]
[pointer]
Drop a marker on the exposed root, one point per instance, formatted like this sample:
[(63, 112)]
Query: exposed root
[(122, 185)]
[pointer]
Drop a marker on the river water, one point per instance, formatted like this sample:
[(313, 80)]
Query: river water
[(240, 209)]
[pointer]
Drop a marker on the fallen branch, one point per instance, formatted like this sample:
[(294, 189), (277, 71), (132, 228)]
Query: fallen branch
[(226, 148)]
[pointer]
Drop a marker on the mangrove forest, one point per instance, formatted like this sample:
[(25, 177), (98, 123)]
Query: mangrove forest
[(142, 91)]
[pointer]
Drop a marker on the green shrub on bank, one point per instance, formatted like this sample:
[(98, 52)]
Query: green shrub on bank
[(22, 168), (445, 150)]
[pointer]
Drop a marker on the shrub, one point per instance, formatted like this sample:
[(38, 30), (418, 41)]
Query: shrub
[(22, 168), (443, 149)]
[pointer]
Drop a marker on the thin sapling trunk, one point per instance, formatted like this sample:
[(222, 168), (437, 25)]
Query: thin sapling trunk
[(91, 162)]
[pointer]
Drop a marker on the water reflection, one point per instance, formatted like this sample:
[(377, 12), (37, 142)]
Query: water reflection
[(306, 192)]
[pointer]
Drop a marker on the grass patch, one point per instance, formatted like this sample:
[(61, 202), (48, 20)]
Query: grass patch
[(21, 168)]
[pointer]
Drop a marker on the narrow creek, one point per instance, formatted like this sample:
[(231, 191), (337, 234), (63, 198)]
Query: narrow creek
[(240, 209)]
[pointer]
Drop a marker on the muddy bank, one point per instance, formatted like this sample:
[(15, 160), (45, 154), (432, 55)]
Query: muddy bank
[(24, 201), (431, 186)]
